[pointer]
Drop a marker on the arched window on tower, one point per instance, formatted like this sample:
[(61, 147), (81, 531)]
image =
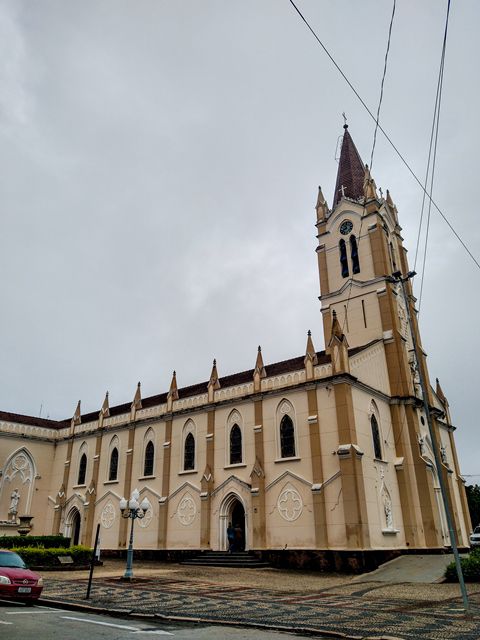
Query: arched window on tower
[(149, 459), (287, 437), (392, 256), (82, 469), (354, 254), (377, 447), (235, 445), (189, 453), (113, 468), (343, 258)]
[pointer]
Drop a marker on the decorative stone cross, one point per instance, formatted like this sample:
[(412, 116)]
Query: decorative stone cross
[(342, 189)]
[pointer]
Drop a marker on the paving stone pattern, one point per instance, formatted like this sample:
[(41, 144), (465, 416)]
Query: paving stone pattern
[(352, 612)]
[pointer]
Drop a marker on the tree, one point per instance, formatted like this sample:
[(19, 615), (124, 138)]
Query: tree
[(473, 498)]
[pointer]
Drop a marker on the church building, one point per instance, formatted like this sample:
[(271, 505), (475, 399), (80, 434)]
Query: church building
[(327, 454)]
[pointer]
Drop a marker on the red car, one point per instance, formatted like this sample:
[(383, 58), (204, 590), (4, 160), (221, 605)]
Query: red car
[(16, 581)]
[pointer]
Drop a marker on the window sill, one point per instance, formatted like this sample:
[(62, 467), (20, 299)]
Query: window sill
[(287, 459), (188, 471), (147, 478), (235, 466), (380, 460), (79, 486), (111, 481), (390, 532)]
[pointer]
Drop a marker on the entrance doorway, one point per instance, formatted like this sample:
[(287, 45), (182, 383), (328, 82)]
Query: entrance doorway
[(76, 528), (238, 523), (232, 510), (72, 526)]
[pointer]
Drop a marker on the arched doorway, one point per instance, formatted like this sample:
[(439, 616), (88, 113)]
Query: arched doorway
[(233, 510), (76, 528), (238, 523), (72, 526)]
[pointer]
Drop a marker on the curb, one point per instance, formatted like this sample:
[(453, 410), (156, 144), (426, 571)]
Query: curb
[(76, 606)]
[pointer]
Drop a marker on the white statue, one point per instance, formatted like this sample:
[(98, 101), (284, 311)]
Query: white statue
[(387, 507), (14, 500)]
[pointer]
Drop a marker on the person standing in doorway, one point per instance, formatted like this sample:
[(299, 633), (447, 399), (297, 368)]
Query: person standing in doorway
[(238, 538), (230, 537)]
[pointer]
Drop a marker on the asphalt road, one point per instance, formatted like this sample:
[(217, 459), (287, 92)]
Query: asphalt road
[(18, 622)]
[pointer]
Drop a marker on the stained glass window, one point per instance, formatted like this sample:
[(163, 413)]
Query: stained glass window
[(149, 459), (287, 438), (377, 447), (235, 445), (113, 469), (82, 469), (189, 455)]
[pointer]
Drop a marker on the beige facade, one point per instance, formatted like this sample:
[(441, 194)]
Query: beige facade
[(326, 451)]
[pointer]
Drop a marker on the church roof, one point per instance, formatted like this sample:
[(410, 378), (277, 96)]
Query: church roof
[(351, 171), (244, 377)]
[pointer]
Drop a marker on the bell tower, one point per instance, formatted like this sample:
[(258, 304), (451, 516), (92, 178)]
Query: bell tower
[(362, 262), (360, 246)]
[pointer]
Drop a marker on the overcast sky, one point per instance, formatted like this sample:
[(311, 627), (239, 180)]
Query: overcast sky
[(159, 166)]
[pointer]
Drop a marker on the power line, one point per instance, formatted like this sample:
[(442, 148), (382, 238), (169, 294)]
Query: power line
[(384, 133), (380, 100), (436, 123)]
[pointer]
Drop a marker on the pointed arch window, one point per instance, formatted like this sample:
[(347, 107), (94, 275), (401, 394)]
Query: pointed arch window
[(343, 258), (189, 453), (113, 468), (235, 445), (287, 438), (82, 469), (377, 446), (149, 459), (392, 256), (354, 254)]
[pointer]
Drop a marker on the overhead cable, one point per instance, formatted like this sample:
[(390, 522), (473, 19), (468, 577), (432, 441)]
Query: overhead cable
[(384, 133)]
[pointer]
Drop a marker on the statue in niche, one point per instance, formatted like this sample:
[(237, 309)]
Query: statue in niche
[(14, 500), (387, 507), (421, 444), (443, 454)]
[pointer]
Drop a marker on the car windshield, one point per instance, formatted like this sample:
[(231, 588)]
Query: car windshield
[(476, 530), (10, 559)]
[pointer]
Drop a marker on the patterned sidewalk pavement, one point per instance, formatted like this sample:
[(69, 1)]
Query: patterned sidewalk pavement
[(357, 610)]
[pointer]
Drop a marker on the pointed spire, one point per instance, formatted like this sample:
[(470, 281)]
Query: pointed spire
[(389, 199), (338, 346), (137, 398), (350, 172), (77, 416), (213, 382), (310, 353), (259, 367), (173, 392), (105, 410), (336, 328), (440, 394), (321, 207), (369, 186)]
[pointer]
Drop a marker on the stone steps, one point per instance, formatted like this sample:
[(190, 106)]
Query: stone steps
[(237, 559)]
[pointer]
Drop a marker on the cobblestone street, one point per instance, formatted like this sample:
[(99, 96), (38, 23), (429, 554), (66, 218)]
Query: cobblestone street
[(337, 604)]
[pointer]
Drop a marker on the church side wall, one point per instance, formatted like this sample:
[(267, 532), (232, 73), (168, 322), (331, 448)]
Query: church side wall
[(380, 476)]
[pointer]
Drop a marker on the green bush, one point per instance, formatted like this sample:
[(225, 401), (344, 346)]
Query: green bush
[(8, 542), (470, 568), (37, 557)]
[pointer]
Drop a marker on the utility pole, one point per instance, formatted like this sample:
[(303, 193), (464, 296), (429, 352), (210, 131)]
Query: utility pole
[(394, 278)]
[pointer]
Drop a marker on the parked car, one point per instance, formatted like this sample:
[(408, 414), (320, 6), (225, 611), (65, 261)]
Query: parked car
[(16, 581), (475, 537)]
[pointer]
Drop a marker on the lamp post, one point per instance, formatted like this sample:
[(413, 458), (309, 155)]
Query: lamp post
[(398, 278), (133, 510)]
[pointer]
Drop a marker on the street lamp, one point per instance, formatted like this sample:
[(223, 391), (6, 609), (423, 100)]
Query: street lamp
[(133, 510), (394, 279)]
